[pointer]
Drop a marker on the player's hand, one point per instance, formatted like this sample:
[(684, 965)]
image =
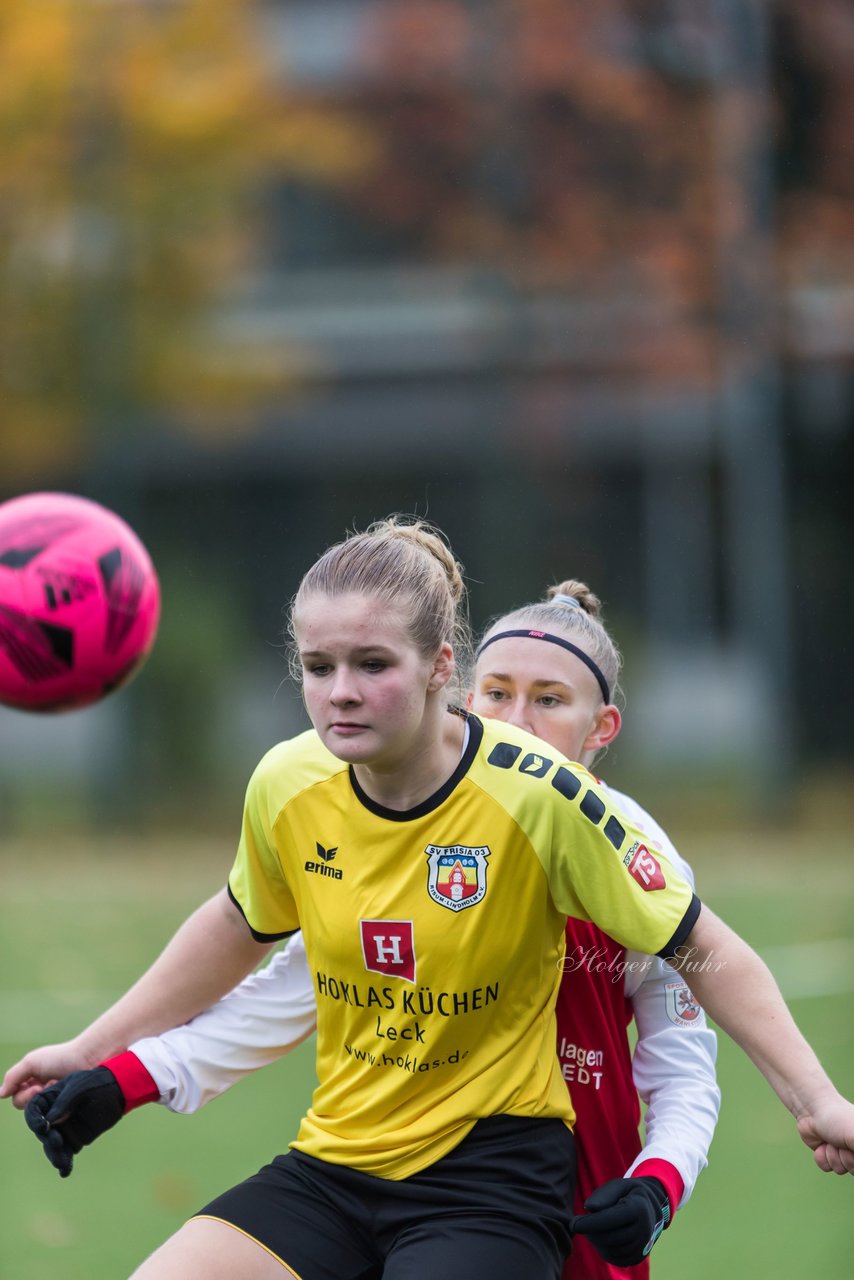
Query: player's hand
[(42, 1067), (624, 1219), (70, 1114), (828, 1129)]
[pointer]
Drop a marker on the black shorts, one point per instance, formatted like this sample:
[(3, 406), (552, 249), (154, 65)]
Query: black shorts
[(495, 1208)]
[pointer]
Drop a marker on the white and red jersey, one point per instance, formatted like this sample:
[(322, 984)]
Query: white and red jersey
[(270, 1013), (671, 1070)]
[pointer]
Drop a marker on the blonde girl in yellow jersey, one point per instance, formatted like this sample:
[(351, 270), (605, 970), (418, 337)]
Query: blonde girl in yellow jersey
[(439, 1139)]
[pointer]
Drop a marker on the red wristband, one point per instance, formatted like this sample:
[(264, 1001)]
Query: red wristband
[(669, 1177), (134, 1080)]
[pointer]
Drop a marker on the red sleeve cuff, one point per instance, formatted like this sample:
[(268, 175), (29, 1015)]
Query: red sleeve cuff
[(134, 1080), (669, 1177)]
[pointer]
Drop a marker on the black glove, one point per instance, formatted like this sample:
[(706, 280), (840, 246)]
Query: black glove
[(624, 1219), (70, 1114)]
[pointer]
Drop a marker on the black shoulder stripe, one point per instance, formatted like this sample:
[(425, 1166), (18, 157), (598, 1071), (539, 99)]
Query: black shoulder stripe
[(615, 831), (260, 937), (504, 755), (566, 783), (685, 926), (592, 808)]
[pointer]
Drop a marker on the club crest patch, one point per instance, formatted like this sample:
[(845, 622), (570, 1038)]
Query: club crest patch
[(681, 1007), (457, 875)]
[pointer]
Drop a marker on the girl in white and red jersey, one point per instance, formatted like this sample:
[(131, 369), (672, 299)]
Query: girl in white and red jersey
[(552, 668)]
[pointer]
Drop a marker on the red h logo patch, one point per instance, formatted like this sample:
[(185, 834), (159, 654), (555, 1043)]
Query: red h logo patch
[(388, 947)]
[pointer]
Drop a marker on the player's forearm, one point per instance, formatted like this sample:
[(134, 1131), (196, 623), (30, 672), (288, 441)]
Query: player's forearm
[(737, 989), (673, 1068), (211, 952)]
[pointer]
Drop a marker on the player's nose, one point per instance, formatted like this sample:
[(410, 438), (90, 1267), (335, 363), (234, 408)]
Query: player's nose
[(520, 715), (344, 688)]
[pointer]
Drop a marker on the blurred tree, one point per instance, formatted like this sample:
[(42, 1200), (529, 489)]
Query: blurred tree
[(133, 139), (161, 163)]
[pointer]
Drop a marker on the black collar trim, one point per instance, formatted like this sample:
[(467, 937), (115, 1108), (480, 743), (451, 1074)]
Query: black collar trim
[(438, 797)]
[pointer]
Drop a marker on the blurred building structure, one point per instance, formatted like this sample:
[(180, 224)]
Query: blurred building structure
[(576, 281)]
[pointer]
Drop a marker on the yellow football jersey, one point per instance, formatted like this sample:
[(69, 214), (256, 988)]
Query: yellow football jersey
[(436, 935)]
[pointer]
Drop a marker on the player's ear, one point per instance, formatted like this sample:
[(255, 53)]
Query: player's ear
[(443, 669), (606, 726), (469, 699)]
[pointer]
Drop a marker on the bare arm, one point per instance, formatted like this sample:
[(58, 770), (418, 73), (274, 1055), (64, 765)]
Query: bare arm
[(737, 989), (211, 952)]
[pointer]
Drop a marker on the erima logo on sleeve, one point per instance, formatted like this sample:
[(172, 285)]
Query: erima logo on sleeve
[(323, 867), (505, 755), (536, 766)]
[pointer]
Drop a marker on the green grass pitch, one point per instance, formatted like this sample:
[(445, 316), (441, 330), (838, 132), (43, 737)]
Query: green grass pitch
[(79, 922)]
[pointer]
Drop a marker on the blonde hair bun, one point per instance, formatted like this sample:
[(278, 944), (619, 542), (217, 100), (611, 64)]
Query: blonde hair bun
[(578, 593), (430, 539)]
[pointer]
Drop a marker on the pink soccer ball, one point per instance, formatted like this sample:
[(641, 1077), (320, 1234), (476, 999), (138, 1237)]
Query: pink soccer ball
[(79, 602)]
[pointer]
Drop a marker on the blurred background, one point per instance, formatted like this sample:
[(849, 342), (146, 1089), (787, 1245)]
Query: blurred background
[(573, 280)]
